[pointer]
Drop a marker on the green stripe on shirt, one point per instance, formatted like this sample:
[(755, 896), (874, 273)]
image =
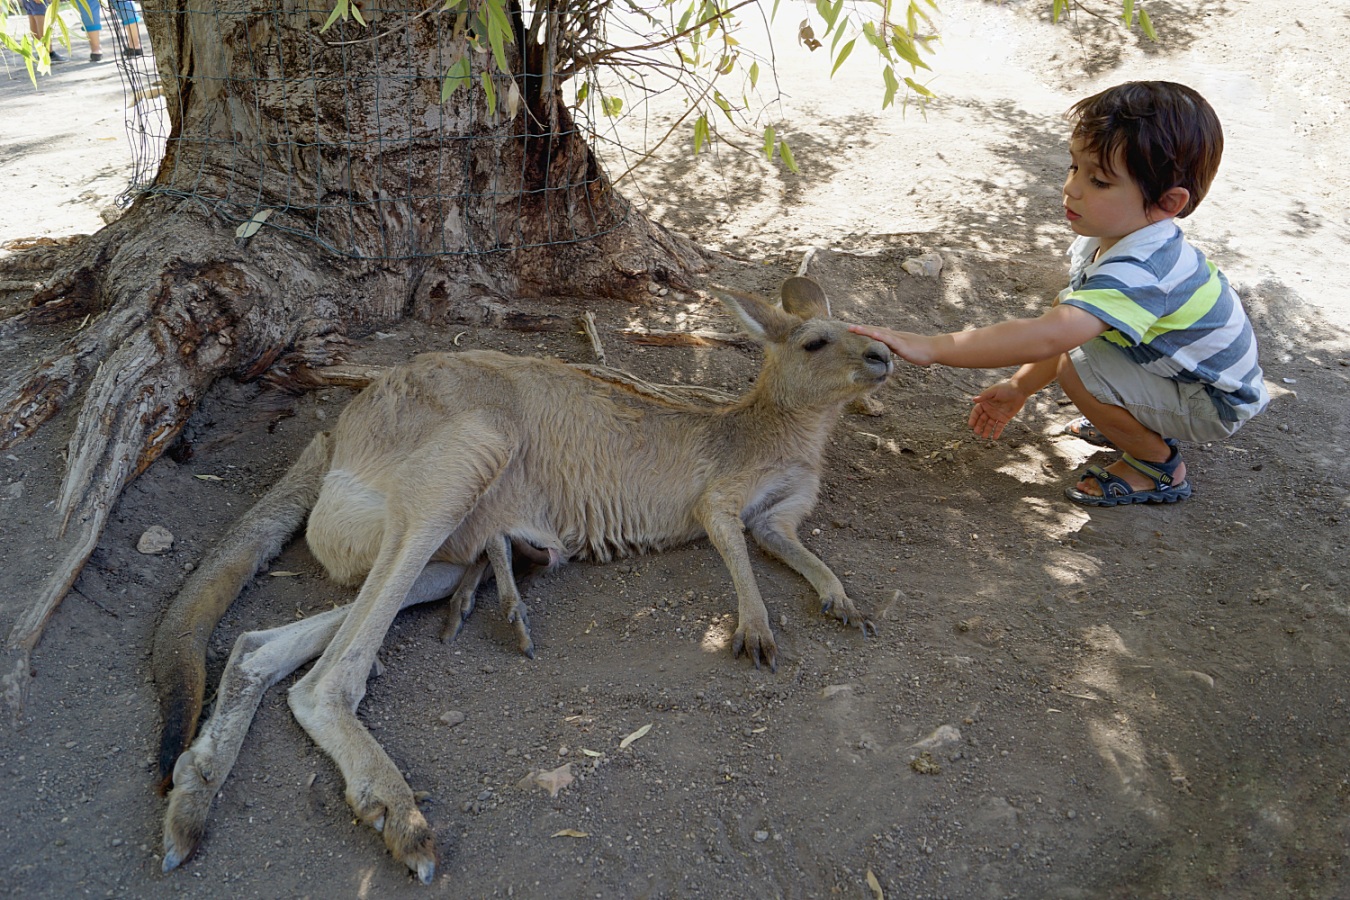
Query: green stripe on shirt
[(1119, 306), (1192, 311)]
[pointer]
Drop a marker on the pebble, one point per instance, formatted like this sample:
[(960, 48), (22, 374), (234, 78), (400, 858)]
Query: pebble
[(452, 718), (155, 540), (926, 265), (761, 837)]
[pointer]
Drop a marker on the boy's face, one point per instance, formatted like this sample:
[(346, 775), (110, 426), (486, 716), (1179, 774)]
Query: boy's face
[(1101, 204)]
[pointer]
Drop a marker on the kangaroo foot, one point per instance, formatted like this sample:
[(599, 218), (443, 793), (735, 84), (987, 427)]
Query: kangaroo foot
[(189, 803), (755, 640), (404, 828)]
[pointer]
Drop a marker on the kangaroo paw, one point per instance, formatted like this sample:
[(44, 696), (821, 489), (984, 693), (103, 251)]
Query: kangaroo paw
[(756, 641), (841, 607)]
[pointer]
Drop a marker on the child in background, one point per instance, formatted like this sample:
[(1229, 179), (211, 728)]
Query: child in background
[(1148, 340), (131, 19)]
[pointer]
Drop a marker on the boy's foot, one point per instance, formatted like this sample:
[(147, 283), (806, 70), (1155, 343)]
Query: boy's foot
[(1130, 480), (1083, 429), (55, 56), (133, 51), (96, 57)]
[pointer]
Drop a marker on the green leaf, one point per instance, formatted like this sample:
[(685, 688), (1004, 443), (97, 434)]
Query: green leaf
[(769, 138), (1057, 10), (611, 105), (843, 55), (700, 133), (919, 89), (892, 85), (786, 152), (497, 39), (490, 89), (339, 11), (456, 77), (583, 92), (754, 74), (1127, 15), (1147, 24), (838, 36)]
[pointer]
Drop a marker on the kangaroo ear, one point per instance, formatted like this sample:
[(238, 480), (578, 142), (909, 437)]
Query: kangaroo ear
[(803, 297), (762, 320)]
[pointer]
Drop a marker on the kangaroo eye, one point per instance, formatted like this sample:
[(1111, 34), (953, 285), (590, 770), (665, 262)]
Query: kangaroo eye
[(815, 344)]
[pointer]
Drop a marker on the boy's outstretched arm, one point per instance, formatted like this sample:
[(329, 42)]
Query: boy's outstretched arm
[(1011, 343)]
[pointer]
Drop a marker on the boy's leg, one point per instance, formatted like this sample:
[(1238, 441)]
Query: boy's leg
[(1124, 430)]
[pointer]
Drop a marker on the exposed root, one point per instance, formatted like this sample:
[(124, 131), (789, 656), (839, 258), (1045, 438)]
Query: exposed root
[(30, 400)]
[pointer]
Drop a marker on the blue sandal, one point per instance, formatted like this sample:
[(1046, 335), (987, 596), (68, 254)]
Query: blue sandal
[(1117, 491), (1083, 429)]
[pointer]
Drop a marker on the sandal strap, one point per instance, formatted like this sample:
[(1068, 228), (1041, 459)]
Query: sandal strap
[(1162, 473), (1111, 485)]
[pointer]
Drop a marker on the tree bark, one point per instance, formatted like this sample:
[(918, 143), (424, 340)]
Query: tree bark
[(385, 202)]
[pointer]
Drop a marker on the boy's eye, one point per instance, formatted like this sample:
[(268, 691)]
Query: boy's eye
[(815, 344), (1098, 183)]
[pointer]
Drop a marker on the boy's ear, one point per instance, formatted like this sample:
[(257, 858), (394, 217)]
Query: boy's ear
[(1173, 201)]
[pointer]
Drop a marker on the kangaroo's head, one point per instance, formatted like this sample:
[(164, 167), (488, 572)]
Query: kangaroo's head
[(810, 359)]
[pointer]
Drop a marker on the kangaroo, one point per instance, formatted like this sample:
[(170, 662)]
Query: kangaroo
[(443, 465)]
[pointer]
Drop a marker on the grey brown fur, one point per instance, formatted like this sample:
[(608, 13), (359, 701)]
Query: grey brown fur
[(454, 457)]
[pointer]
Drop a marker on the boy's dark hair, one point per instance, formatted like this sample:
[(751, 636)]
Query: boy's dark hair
[(1168, 134)]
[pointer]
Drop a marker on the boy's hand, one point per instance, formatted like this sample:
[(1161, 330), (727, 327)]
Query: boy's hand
[(995, 408), (912, 348)]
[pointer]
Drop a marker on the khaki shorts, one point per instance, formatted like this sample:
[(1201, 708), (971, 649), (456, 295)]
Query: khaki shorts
[(1175, 409)]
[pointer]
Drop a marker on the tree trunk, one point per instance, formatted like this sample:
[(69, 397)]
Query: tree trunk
[(384, 202)]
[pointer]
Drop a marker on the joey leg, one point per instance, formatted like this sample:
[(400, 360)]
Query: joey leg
[(513, 607), (462, 601)]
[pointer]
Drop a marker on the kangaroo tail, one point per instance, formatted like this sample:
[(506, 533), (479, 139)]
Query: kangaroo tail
[(179, 657)]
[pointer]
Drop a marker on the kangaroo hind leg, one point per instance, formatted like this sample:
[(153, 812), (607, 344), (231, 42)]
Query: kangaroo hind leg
[(260, 659), (445, 481)]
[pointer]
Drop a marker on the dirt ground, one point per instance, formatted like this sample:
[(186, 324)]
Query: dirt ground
[(1060, 702)]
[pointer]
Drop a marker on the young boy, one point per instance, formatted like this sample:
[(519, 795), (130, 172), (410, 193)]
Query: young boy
[(1148, 341)]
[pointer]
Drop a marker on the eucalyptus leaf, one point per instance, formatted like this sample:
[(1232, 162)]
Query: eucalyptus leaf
[(250, 228), (843, 55)]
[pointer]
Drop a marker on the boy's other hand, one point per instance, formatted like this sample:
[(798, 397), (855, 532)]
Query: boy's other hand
[(912, 348), (994, 408)]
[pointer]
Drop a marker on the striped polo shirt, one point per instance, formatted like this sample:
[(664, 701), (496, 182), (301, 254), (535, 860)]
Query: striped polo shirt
[(1173, 312)]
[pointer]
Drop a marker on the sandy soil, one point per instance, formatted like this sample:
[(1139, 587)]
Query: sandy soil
[(1140, 702)]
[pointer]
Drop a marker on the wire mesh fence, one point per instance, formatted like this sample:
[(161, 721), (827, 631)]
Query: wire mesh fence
[(346, 137)]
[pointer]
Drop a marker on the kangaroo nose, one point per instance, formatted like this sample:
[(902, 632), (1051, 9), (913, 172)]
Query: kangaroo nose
[(878, 353)]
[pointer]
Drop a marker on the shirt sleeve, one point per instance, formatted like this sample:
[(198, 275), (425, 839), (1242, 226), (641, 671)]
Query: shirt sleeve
[(1124, 295)]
